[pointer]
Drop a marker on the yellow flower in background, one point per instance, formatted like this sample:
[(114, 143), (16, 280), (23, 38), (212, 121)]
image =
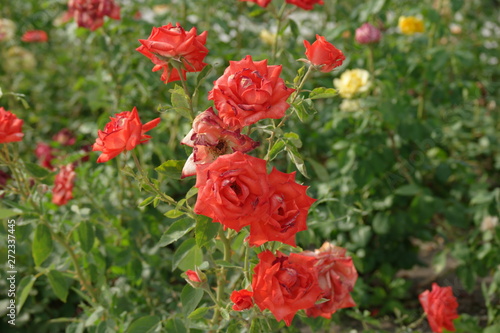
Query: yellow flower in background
[(267, 37), (410, 25), (18, 58), (7, 29), (350, 105), (352, 82)]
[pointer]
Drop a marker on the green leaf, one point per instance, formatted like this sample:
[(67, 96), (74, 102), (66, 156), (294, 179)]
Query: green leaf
[(24, 290), (4, 213), (205, 230), (178, 229), (172, 169), (408, 190), (174, 213), (175, 325), (295, 157), (187, 256), (192, 192), (180, 102), (147, 201), (86, 236), (146, 324), (292, 139), (199, 313), (294, 28), (59, 284), (36, 171), (322, 92), (190, 298), (203, 75), (277, 147), (381, 223), (42, 244)]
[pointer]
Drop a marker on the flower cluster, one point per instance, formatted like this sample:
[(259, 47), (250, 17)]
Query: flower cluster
[(90, 13)]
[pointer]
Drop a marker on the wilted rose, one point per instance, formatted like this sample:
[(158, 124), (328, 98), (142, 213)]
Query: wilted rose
[(210, 138)]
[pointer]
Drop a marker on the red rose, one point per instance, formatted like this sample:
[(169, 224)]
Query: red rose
[(249, 91), (242, 299), (10, 127), (63, 185), (169, 46), (35, 36), (45, 155), (285, 284), (65, 137), (288, 207), (336, 277), (123, 132), (367, 34), (192, 276), (323, 54), (90, 13), (210, 138), (262, 3), (305, 4), (232, 189), (440, 306)]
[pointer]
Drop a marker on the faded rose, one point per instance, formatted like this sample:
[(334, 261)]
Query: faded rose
[(35, 36), (440, 306), (210, 138), (123, 132), (90, 13), (45, 155), (323, 54), (262, 3), (232, 189), (242, 299), (169, 47), (286, 214), (336, 277), (305, 4), (63, 185), (10, 127), (285, 284), (367, 34), (250, 91)]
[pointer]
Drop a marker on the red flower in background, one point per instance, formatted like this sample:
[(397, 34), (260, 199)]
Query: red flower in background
[(285, 284), (210, 138), (123, 132), (45, 155), (286, 213), (10, 127), (336, 278), (262, 3), (169, 47), (305, 4), (323, 54), (367, 34), (4, 177), (250, 91), (63, 185), (35, 36), (90, 13), (65, 137), (440, 306), (232, 189), (242, 299)]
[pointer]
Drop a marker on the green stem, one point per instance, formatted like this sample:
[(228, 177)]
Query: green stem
[(279, 17), (371, 66), (221, 276)]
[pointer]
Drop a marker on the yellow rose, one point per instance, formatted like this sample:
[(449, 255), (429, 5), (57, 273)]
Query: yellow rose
[(7, 29), (352, 82), (267, 37), (410, 25), (18, 58)]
